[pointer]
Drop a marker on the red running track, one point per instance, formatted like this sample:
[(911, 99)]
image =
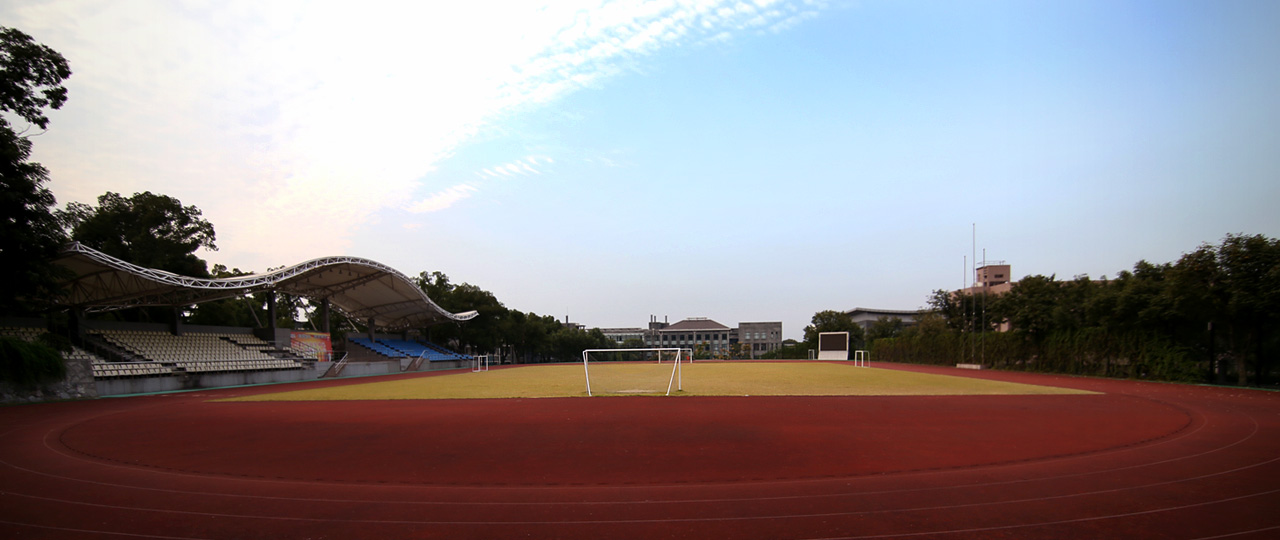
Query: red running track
[(1139, 460)]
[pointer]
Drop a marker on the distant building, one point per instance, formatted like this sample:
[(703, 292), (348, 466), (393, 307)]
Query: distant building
[(865, 317), (572, 325), (760, 337), (621, 335), (991, 277), (756, 337), (692, 332)]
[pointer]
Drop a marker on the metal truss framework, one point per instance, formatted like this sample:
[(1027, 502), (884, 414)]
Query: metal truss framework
[(358, 287)]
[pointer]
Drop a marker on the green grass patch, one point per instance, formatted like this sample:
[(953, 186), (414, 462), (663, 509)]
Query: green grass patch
[(700, 379)]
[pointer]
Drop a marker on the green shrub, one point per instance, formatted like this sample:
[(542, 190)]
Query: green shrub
[(29, 364)]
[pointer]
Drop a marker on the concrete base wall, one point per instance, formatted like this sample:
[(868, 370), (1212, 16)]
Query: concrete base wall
[(78, 384), (195, 381), (445, 364), (360, 369)]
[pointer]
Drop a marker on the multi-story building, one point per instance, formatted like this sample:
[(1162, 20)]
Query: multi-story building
[(760, 337), (717, 339), (621, 335), (754, 338), (992, 277), (692, 332)]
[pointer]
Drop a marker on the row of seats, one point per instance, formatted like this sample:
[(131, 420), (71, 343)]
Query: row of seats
[(31, 334), (103, 370), (198, 352), (163, 352), (166, 347), (237, 365), (378, 347), (76, 353), (24, 333), (399, 348), (152, 369)]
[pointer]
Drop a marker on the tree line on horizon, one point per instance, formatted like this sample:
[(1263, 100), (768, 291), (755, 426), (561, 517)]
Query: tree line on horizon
[(1211, 316)]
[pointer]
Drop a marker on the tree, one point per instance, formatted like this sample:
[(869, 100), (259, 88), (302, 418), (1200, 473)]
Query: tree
[(239, 311), (885, 327), (949, 307), (833, 321), (567, 343), (149, 230), (527, 334), (485, 333), (1029, 306), (1250, 267), (31, 77)]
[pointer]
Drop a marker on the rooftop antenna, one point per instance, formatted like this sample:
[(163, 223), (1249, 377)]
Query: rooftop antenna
[(973, 345), (983, 358)]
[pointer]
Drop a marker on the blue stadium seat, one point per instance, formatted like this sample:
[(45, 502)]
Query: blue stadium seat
[(399, 348)]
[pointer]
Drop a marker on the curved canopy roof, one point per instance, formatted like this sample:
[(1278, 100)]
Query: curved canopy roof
[(360, 288)]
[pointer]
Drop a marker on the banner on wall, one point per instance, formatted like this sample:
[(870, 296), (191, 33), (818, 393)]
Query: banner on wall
[(311, 345)]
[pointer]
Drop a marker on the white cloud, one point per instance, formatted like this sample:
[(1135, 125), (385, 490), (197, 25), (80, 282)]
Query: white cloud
[(521, 167), (443, 199), (271, 114)]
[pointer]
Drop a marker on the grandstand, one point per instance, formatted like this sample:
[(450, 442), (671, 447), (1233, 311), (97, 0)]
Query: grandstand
[(128, 358)]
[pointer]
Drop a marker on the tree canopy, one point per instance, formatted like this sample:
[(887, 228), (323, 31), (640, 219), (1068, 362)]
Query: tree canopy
[(31, 77), (833, 321), (149, 230), (1210, 316)]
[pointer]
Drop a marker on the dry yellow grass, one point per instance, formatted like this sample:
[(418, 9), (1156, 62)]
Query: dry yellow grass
[(700, 379)]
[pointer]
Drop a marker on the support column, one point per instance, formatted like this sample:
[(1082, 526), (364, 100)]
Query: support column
[(75, 325), (175, 321), (271, 313), (324, 315), (372, 324)]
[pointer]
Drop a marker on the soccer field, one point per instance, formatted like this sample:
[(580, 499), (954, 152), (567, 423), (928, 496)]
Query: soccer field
[(699, 379)]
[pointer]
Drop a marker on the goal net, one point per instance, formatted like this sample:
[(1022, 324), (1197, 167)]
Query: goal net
[(653, 372)]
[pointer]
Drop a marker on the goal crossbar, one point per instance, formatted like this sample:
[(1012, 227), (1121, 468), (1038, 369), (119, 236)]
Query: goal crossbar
[(676, 376)]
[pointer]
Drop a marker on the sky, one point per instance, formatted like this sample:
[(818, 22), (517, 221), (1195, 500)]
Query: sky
[(738, 160)]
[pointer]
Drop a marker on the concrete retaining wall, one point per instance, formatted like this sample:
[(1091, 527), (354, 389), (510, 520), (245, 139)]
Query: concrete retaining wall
[(194, 381), (80, 383)]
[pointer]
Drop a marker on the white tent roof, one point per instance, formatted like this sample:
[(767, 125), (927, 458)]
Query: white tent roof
[(360, 288)]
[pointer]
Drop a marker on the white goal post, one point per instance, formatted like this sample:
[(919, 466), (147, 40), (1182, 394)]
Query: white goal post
[(676, 378)]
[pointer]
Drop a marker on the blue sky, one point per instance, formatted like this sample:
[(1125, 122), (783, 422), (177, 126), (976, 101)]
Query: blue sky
[(744, 161)]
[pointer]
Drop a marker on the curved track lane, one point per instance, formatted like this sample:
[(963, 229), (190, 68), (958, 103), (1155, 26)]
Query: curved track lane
[(1136, 461)]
